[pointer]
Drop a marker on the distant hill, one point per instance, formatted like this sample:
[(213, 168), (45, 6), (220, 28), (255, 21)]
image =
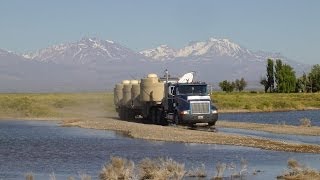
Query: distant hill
[(92, 64)]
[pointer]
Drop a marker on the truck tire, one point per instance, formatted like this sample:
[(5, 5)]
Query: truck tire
[(158, 116), (162, 119), (153, 115), (121, 113), (176, 119), (130, 115), (211, 123)]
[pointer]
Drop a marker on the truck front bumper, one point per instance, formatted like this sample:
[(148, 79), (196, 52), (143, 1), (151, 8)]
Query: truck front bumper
[(198, 118)]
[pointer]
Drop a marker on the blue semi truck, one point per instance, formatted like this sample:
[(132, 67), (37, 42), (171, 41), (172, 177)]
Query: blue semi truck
[(165, 100)]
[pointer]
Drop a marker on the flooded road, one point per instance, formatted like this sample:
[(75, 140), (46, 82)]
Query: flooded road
[(44, 147)]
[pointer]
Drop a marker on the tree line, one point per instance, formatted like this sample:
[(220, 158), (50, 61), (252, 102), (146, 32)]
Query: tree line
[(227, 86), (280, 78)]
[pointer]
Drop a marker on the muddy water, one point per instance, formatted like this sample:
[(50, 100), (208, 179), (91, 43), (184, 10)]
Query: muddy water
[(289, 118), (44, 147)]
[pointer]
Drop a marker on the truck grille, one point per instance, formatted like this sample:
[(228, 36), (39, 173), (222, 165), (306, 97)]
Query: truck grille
[(200, 107)]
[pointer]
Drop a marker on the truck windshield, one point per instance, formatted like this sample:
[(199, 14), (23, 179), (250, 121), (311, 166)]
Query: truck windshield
[(193, 89)]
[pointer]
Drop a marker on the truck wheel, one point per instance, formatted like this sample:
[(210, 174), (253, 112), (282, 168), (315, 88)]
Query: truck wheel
[(130, 114), (124, 114), (121, 114), (154, 116), (211, 123), (176, 119), (163, 121), (159, 116)]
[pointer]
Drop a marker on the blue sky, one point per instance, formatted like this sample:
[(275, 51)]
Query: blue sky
[(291, 27)]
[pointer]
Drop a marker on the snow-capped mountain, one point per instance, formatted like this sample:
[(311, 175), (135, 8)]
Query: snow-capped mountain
[(211, 47), (85, 51), (218, 59), (94, 64), (163, 52)]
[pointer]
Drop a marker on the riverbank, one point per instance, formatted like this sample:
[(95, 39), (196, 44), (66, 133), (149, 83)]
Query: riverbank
[(272, 128), (175, 134), (96, 111), (265, 102)]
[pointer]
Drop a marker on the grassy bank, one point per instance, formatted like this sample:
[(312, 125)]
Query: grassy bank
[(257, 102), (59, 105), (66, 105)]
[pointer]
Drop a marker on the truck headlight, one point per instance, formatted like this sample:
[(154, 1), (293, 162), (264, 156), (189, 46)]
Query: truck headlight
[(214, 111), (184, 112)]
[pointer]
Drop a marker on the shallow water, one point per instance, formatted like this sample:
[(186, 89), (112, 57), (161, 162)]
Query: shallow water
[(44, 147), (289, 117), (280, 137)]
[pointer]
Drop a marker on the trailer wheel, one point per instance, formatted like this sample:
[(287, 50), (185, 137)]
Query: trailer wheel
[(152, 116), (158, 116), (124, 114), (130, 115), (176, 119), (121, 113)]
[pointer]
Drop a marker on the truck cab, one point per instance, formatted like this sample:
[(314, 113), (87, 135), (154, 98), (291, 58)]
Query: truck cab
[(190, 103)]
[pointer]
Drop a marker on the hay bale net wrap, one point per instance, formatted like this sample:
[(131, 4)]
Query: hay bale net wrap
[(118, 94), (126, 99), (135, 92), (151, 89)]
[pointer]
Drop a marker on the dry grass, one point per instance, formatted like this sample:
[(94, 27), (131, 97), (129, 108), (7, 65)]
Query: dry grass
[(160, 169), (84, 177), (29, 176), (297, 171), (118, 168), (199, 172), (166, 168), (52, 176), (220, 168), (305, 122)]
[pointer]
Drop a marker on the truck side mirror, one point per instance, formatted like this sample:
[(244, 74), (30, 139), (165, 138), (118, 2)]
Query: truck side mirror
[(171, 90)]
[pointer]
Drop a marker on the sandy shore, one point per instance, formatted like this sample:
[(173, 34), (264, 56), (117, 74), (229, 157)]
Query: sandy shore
[(175, 134)]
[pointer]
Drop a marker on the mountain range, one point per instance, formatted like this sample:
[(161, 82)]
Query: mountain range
[(92, 64)]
